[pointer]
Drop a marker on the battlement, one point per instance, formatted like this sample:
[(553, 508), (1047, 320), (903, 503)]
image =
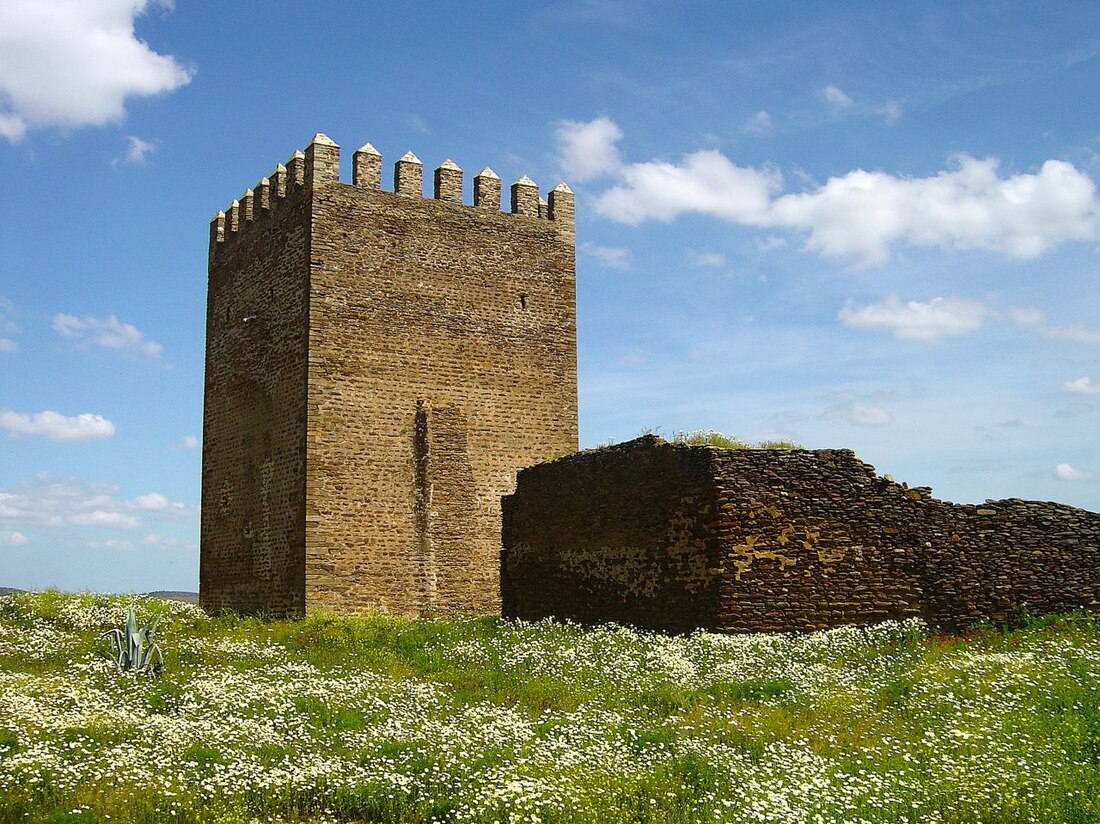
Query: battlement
[(320, 164)]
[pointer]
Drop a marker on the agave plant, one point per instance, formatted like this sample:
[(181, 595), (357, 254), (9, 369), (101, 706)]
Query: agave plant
[(134, 648)]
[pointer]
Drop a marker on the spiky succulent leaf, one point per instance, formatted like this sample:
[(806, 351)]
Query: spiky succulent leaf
[(134, 647)]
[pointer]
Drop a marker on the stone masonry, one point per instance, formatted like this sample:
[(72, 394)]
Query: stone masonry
[(675, 537), (378, 367)]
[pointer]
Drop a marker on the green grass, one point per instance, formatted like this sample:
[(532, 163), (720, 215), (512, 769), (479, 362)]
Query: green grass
[(379, 718), (709, 437)]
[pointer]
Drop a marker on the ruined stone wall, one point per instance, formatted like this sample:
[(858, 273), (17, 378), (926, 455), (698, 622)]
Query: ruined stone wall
[(253, 477), (403, 358), (814, 539), (795, 540), (992, 560), (442, 360), (618, 534)]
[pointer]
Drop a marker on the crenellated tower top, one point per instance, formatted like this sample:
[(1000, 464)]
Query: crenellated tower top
[(319, 165)]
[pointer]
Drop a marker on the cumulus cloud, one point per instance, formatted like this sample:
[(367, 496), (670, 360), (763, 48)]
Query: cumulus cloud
[(613, 257), (152, 500), (72, 63), (759, 123), (188, 442), (13, 538), (51, 503), (1036, 319), (769, 242), (108, 333), (167, 543), (914, 320), (1066, 472), (835, 99), (706, 260), (7, 326), (858, 414), (890, 111), (111, 543), (55, 426), (137, 152), (1082, 386), (101, 517), (705, 181), (860, 217), (65, 507), (587, 150)]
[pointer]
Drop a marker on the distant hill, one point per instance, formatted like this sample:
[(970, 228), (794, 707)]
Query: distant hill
[(162, 594), (173, 595)]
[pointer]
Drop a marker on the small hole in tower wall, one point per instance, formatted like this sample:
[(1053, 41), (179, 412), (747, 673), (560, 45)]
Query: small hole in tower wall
[(523, 301)]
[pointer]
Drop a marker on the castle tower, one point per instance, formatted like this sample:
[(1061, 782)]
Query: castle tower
[(378, 367)]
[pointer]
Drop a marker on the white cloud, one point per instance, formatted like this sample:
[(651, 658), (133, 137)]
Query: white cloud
[(913, 320), (167, 543), (137, 152), (890, 111), (1074, 333), (1028, 317), (613, 257), (416, 123), (110, 543), (835, 99), (7, 326), (858, 414), (68, 508), (1065, 472), (101, 517), (188, 442), (759, 123), (769, 242), (1076, 409), (1082, 386), (72, 63), (13, 538), (55, 426), (705, 181), (861, 217), (706, 260), (109, 333), (151, 500), (587, 150)]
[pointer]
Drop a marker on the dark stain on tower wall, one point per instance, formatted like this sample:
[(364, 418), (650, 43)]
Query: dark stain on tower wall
[(379, 366)]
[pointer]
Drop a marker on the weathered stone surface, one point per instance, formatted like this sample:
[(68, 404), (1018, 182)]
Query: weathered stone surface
[(674, 537), (406, 356)]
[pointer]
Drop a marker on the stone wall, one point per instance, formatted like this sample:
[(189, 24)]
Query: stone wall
[(431, 352), (253, 458), (779, 540), (618, 534), (442, 360)]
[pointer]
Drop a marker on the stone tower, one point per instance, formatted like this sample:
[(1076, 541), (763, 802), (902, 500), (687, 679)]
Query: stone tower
[(378, 367)]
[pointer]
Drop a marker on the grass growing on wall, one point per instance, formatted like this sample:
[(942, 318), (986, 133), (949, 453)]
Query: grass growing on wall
[(378, 718), (710, 437)]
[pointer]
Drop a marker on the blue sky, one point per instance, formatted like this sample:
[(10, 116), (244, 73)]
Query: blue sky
[(865, 225)]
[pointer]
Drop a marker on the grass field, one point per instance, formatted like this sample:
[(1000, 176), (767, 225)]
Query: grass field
[(376, 718)]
